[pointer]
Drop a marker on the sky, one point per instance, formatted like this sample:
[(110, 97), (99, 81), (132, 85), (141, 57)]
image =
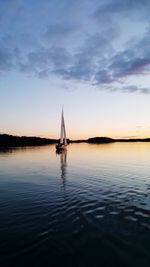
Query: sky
[(91, 57)]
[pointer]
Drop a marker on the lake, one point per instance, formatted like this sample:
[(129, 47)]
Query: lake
[(89, 206)]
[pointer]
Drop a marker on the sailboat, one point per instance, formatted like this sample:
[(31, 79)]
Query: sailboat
[(62, 145)]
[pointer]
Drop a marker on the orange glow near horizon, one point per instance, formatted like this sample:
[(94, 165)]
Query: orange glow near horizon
[(108, 114), (81, 133), (78, 136)]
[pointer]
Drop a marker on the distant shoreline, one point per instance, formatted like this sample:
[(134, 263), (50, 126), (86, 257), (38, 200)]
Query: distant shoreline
[(7, 141), (100, 140)]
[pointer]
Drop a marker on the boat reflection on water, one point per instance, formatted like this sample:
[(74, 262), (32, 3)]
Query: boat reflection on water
[(63, 165)]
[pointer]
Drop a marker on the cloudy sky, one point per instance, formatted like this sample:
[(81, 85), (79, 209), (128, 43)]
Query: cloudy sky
[(91, 56)]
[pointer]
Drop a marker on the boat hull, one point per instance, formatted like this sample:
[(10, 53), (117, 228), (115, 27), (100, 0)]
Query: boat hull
[(60, 147)]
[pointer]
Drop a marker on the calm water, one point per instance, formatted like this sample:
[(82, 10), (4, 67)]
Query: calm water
[(88, 207)]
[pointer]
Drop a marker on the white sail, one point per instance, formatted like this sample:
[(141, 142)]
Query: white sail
[(63, 139)]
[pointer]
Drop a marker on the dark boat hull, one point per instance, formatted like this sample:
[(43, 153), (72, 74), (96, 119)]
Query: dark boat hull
[(60, 147)]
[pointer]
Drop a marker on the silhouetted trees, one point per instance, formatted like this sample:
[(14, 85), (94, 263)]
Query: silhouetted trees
[(14, 141), (101, 140), (7, 141)]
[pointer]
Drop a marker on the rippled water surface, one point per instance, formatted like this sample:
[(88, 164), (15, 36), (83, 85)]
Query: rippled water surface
[(87, 207)]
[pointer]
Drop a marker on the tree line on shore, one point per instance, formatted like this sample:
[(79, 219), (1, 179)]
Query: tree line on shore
[(18, 141)]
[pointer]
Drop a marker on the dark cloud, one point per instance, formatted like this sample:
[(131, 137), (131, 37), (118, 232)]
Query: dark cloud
[(131, 61), (96, 62), (85, 62), (45, 61), (133, 88), (95, 59), (126, 89), (124, 64), (79, 66), (99, 63)]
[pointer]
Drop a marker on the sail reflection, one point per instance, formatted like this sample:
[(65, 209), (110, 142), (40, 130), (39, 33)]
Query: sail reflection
[(63, 166)]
